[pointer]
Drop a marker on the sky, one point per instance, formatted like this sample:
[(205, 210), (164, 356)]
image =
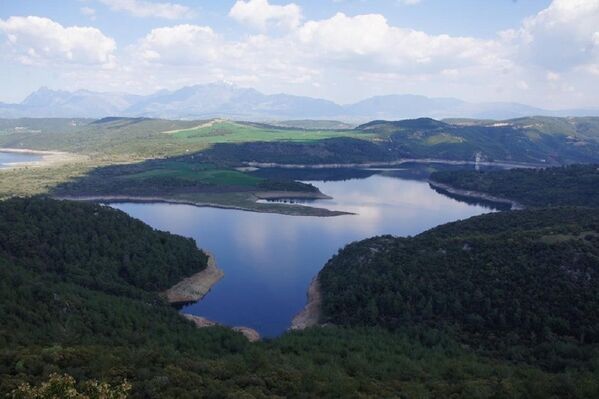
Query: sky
[(539, 52)]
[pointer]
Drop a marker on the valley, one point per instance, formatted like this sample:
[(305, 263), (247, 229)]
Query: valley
[(316, 197), (272, 199)]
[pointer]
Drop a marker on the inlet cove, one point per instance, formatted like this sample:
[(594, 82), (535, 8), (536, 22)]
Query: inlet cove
[(269, 260)]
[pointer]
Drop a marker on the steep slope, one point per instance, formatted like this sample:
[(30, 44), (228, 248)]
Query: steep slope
[(522, 285)]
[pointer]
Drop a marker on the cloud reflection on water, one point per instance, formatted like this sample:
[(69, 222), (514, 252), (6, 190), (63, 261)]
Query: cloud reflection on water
[(270, 259)]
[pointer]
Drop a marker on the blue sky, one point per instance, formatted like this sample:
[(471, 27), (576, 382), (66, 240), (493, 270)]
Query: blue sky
[(541, 52)]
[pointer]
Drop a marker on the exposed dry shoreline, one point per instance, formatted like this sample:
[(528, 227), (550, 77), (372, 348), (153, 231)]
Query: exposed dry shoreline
[(391, 163), (194, 288), (309, 316), (202, 322), (273, 195), (49, 158), (476, 195), (291, 210)]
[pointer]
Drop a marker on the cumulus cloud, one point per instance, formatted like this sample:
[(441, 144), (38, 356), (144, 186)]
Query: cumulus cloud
[(562, 36), (141, 8), (180, 44), (369, 41), (260, 14), (551, 57), (40, 40)]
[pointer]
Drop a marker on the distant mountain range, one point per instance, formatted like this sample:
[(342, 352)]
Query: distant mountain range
[(229, 101)]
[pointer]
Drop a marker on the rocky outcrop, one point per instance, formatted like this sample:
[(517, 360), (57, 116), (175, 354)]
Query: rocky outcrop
[(310, 314)]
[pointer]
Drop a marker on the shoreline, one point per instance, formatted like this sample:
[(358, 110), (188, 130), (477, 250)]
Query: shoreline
[(196, 286), (277, 195), (292, 211), (202, 322), (515, 205), (49, 158), (309, 316), (393, 163)]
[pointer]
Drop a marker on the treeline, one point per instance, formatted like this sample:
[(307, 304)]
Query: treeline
[(518, 285), (574, 185)]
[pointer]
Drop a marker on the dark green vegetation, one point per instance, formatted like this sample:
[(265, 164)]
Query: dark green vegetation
[(174, 176), (79, 296), (522, 286), (570, 185)]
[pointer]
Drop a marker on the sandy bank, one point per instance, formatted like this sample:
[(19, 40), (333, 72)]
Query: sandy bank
[(202, 322), (476, 195), (310, 314), (49, 158), (195, 287)]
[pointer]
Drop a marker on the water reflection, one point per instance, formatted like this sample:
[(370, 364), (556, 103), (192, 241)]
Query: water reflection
[(270, 259)]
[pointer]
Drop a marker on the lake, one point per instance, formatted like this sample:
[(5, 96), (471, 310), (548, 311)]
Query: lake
[(269, 260), (8, 158)]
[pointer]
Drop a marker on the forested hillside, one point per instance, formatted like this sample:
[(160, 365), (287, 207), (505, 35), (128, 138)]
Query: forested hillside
[(78, 287), (521, 285), (549, 141), (576, 185)]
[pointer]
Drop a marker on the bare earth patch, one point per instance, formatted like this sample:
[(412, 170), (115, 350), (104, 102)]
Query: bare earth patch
[(49, 158), (195, 287)]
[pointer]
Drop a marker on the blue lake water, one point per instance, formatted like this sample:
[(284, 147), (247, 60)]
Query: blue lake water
[(8, 158), (269, 260)]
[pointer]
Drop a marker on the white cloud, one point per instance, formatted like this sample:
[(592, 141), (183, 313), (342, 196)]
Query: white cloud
[(552, 76), (368, 41), (551, 59), (409, 2), (180, 44), (142, 8), (36, 40), (260, 14), (560, 37), (88, 12)]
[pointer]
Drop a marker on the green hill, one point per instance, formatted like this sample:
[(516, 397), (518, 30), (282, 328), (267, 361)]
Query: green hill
[(576, 185), (520, 285)]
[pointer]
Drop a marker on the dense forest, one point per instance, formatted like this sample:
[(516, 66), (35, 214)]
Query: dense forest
[(79, 290), (518, 285), (576, 185)]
